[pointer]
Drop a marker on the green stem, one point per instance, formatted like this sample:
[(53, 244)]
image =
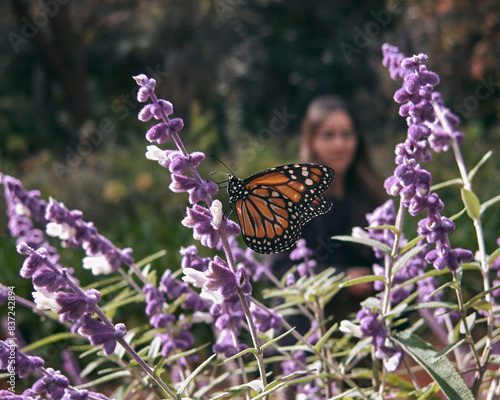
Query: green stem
[(248, 314)]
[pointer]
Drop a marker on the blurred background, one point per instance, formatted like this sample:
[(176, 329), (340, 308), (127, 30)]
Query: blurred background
[(232, 69)]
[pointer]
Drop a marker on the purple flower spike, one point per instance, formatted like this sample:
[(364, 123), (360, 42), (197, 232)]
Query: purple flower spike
[(173, 288), (202, 191), (190, 259), (182, 183), (301, 251), (73, 306), (49, 279), (53, 385), (392, 60), (154, 300), (243, 282), (370, 326), (429, 126), (98, 333), (159, 133), (23, 364), (220, 278), (147, 88), (227, 344), (162, 320), (266, 319), (444, 256), (202, 222), (34, 261)]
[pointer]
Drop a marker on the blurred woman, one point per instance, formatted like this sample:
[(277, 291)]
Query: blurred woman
[(332, 136)]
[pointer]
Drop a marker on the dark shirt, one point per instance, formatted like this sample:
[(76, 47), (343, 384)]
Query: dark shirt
[(345, 214)]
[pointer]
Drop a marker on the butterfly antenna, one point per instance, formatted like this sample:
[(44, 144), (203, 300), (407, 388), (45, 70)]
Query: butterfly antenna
[(229, 169)]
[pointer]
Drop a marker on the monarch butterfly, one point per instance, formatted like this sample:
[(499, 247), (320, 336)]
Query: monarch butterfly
[(274, 204)]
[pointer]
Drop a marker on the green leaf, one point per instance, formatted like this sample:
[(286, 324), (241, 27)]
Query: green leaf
[(104, 379), (456, 181), (458, 214), (363, 346), (471, 203), (194, 374), (274, 340), (401, 262), (325, 337), (474, 170), (241, 353), (255, 385), (433, 304), (448, 349), (211, 384), (362, 279), (267, 392), (50, 339), (430, 392), (280, 382), (151, 258), (479, 297), (122, 301), (489, 203), (493, 256), (439, 368), (345, 394), (366, 241), (411, 244), (389, 227), (93, 365), (159, 367)]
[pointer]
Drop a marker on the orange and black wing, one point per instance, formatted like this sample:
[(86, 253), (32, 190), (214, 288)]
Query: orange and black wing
[(319, 206), (273, 204)]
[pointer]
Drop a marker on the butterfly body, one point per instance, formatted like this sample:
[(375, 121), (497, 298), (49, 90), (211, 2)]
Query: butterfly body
[(274, 204)]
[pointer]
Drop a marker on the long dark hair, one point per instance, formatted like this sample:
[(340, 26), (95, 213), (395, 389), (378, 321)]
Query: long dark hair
[(360, 176)]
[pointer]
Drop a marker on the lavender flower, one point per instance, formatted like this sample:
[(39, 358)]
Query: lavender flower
[(99, 334), (410, 181), (176, 161), (266, 319), (24, 207), (227, 344), (303, 254), (370, 325), (54, 384), (191, 259), (21, 363), (76, 233), (177, 337), (154, 300), (74, 305), (204, 229), (173, 288), (298, 363), (384, 215)]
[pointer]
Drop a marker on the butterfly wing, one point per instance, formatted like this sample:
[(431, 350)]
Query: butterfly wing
[(319, 206), (273, 204)]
